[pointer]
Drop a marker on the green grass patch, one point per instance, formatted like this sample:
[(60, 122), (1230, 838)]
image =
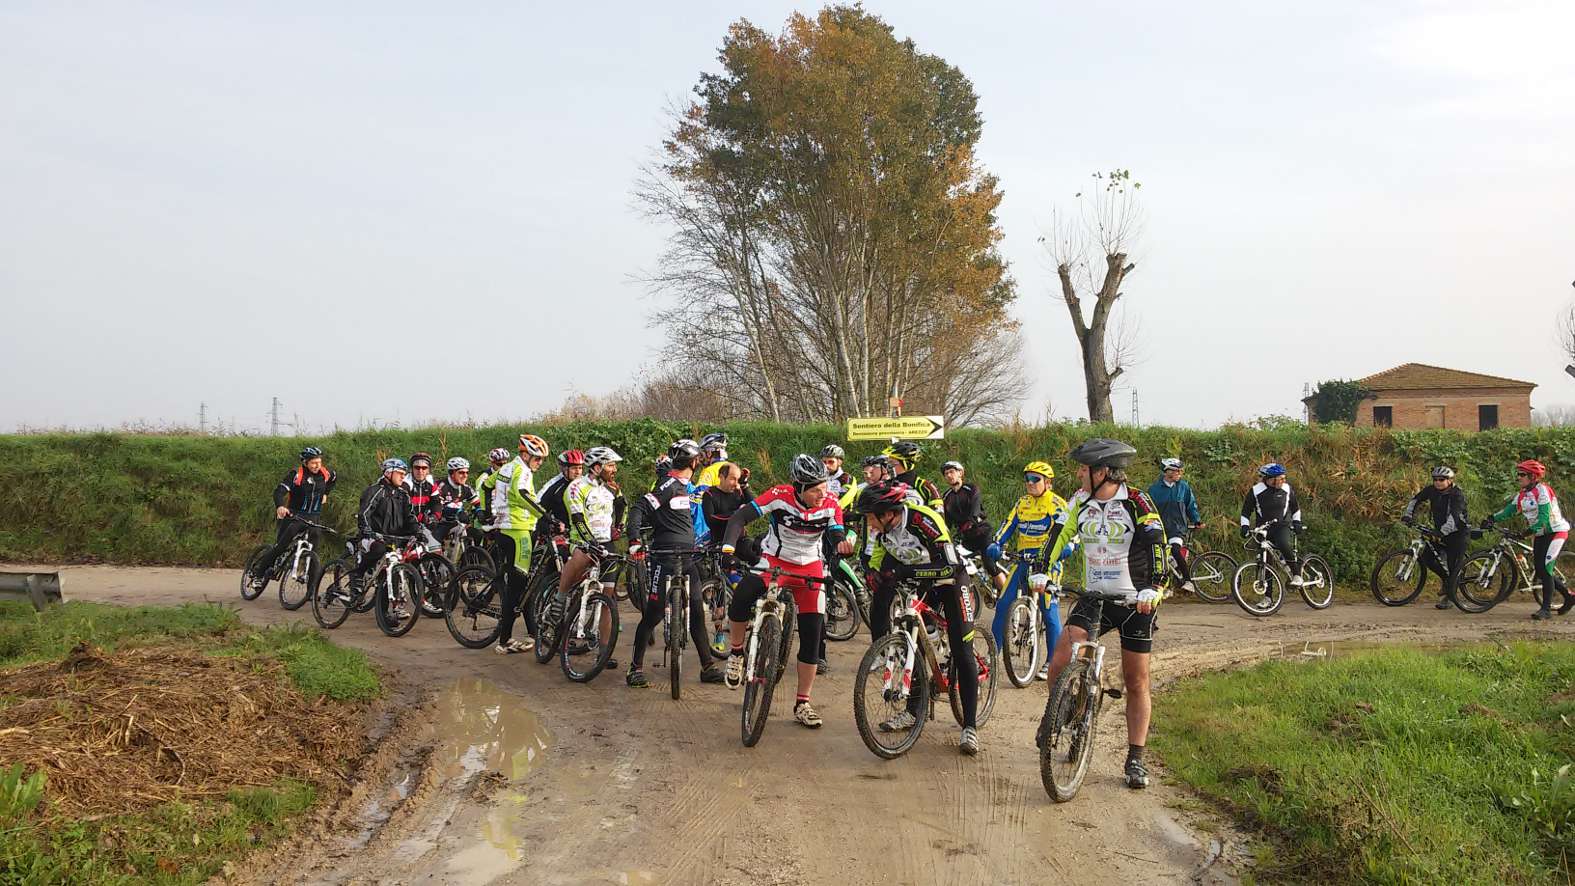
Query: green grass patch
[(316, 666), (1390, 766), (28, 636)]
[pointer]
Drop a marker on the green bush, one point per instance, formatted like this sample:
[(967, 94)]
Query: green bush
[(205, 501)]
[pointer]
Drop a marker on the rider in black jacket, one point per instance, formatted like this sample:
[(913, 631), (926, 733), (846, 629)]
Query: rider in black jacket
[(385, 509), (1273, 503), (301, 493), (1447, 508)]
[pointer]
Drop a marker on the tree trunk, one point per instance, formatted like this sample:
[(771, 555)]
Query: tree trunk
[(1098, 377)]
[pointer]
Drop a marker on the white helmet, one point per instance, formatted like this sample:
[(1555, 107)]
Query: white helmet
[(458, 464), (601, 455)]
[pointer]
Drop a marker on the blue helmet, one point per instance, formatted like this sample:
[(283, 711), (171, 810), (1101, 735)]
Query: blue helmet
[(1272, 469), (310, 453), (395, 464)]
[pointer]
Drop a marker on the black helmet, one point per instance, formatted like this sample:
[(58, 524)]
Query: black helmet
[(683, 454), (310, 453), (881, 498), (806, 470), (1102, 452), (832, 450), (421, 456), (905, 450)]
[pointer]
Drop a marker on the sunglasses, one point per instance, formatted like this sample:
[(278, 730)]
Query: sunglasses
[(1522, 474), (1033, 478)]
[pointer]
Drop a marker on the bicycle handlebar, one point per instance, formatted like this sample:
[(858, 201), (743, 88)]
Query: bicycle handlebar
[(312, 523), (1118, 597), (778, 572)]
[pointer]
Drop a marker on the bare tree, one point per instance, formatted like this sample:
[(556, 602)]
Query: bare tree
[(1567, 332), (1090, 256)]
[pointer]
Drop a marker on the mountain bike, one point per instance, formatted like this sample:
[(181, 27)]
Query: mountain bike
[(1066, 729), (1490, 577), (1025, 624), (338, 596), (586, 635), (847, 601), (979, 582), (1399, 576), (675, 619), (474, 608), (766, 644), (1259, 585), (296, 568), (904, 670), (465, 545), (1212, 572)]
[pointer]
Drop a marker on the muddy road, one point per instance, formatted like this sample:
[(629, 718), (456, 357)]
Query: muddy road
[(498, 769)]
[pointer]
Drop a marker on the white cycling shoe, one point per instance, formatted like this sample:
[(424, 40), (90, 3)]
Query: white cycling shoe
[(900, 723), (735, 671)]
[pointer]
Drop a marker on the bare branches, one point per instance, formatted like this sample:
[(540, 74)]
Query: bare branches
[(1566, 332)]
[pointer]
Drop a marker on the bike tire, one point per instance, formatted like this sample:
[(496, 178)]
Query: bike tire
[(289, 585), (758, 691), (332, 606), (1211, 575), (876, 669), (1398, 578), (437, 583), (577, 666), (1021, 654), (677, 632), (636, 580), (1068, 724), (537, 607), (842, 613), (987, 663), (475, 555), (1265, 603), (784, 646), (1321, 595), (406, 584), (474, 606), (249, 573), (1482, 586)]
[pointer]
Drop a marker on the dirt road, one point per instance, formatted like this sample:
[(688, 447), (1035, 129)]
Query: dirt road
[(508, 772)]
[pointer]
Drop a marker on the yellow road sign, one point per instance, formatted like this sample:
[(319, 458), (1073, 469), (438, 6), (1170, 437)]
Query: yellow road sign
[(909, 427)]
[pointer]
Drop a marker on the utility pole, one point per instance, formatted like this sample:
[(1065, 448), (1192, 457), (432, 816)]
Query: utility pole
[(273, 426), (1135, 422), (202, 418)]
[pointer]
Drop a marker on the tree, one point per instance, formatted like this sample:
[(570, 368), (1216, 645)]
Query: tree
[(832, 237), (1095, 244), (1566, 332), (1337, 400)]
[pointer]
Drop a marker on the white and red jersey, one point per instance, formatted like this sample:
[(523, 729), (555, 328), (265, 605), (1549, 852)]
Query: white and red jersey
[(1530, 503), (796, 530)]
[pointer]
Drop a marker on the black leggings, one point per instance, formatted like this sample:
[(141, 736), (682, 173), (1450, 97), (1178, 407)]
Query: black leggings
[(661, 569), (514, 582), (289, 528), (959, 635), (1454, 545), (1539, 561), (1284, 541), (1179, 557), (811, 625)]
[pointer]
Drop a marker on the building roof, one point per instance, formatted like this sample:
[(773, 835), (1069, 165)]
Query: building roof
[(1421, 376)]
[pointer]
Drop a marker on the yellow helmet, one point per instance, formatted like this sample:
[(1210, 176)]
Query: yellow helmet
[(1041, 468)]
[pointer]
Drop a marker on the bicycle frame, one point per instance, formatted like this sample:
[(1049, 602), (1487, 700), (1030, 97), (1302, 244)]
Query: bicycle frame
[(918, 643), (775, 603)]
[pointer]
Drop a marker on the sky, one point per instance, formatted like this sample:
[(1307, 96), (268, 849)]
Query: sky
[(380, 213)]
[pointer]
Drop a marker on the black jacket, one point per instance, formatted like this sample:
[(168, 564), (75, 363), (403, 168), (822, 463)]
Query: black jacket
[(552, 498), (385, 510), (719, 507), (1448, 508), (666, 509), (963, 509), (1266, 504), (303, 492)]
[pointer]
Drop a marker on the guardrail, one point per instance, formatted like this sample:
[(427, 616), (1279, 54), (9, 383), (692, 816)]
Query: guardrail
[(40, 588)]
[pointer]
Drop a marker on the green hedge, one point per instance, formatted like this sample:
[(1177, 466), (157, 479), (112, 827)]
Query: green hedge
[(190, 500)]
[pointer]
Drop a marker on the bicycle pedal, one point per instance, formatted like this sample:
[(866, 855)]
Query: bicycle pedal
[(1113, 693)]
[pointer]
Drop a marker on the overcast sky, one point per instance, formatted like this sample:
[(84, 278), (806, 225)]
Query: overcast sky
[(372, 212)]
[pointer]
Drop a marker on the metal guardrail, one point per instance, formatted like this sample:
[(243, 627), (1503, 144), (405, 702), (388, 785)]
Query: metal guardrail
[(40, 588)]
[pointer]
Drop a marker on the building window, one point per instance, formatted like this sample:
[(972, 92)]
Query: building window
[(1383, 416), (1434, 416), (1487, 417)]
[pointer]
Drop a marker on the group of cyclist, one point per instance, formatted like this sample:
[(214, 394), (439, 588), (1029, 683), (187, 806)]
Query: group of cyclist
[(912, 532)]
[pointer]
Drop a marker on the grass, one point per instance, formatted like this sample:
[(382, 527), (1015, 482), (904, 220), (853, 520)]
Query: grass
[(1392, 766), (176, 842)]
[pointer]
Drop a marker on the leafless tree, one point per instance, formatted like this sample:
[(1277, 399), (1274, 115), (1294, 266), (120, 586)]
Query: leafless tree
[(1567, 332)]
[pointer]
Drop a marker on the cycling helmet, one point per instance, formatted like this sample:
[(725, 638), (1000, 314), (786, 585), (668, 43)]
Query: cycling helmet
[(1102, 452), (871, 461), (1533, 467), (683, 453), (421, 456), (601, 455), (832, 450), (534, 446), (1042, 468), (904, 451), (1271, 470), (713, 443), (1170, 464), (951, 464), (806, 470), (458, 464), (498, 456), (570, 457), (310, 453), (883, 498), (1443, 472), (395, 464)]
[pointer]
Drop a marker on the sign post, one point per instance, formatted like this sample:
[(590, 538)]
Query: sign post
[(912, 427)]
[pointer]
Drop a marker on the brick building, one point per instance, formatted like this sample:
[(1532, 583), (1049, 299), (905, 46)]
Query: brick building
[(1415, 395)]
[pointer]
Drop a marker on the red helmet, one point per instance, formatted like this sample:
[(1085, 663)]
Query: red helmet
[(1533, 467), (882, 498), (570, 457)]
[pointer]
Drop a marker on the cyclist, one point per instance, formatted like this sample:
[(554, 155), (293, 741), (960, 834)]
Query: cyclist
[(963, 507), (1537, 503), (301, 493), (456, 497), (832, 456), (497, 458), (905, 454), (719, 503), (514, 515), (1027, 531), (676, 525), (1272, 503), (571, 465), (385, 509), (713, 452), (1123, 540), (594, 508), (911, 543), (800, 514), (1447, 507), (423, 489), (1179, 509)]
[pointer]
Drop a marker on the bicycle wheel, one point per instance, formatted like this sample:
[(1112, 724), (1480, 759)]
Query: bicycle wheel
[(1485, 581), (677, 633), (475, 555), (585, 649), (331, 604), (473, 608), (249, 574), (437, 584), (1317, 582), (1066, 732), (759, 688), (878, 698), (1211, 575), (295, 587), (537, 607), (1398, 578), (842, 613), (789, 625), (397, 593), (1022, 642), (1258, 589), (985, 660), (635, 581)]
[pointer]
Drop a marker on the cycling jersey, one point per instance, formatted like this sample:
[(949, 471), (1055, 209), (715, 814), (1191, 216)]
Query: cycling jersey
[(1267, 503), (919, 544), (514, 505), (928, 494), (839, 483), (303, 491), (795, 529), (1540, 508), (454, 498), (592, 510), (553, 500), (385, 509), (1178, 507), (1027, 527), (963, 508), (1447, 507), (669, 510), (708, 475), (1123, 540), (719, 507), (424, 498)]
